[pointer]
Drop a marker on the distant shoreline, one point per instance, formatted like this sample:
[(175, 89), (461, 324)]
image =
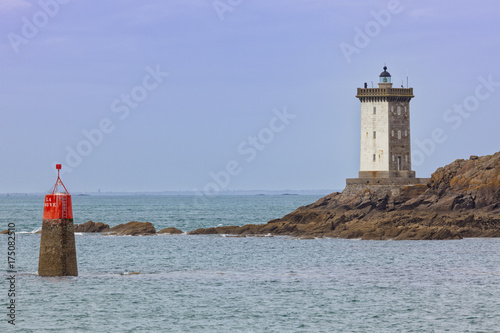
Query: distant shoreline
[(183, 193)]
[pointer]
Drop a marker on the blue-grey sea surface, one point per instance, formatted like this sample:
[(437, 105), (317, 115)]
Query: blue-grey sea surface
[(253, 284)]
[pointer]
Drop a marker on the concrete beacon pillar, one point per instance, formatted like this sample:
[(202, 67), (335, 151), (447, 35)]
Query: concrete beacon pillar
[(57, 244)]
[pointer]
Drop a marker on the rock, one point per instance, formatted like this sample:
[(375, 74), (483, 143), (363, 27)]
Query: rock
[(460, 200), (133, 228), (201, 231), (307, 237), (170, 230), (91, 226), (224, 230), (234, 230)]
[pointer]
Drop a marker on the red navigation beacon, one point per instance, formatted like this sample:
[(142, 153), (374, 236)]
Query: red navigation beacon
[(58, 203)]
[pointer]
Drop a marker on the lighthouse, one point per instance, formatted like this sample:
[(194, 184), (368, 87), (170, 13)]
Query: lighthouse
[(385, 145), (57, 243)]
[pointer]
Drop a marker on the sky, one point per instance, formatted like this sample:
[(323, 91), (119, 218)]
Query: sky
[(203, 95)]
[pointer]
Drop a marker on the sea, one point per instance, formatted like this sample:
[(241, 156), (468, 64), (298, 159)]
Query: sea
[(219, 283)]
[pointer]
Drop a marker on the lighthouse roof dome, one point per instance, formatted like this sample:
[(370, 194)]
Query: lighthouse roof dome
[(385, 73)]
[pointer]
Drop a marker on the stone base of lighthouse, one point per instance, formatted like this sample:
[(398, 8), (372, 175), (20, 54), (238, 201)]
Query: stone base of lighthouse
[(387, 181), (389, 187), (390, 177), (57, 249), (387, 174)]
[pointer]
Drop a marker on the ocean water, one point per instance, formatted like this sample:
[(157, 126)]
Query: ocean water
[(253, 284)]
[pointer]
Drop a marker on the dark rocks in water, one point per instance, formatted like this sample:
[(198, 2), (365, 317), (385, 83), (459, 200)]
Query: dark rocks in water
[(91, 226), (225, 230), (133, 228), (171, 230), (460, 200), (203, 231)]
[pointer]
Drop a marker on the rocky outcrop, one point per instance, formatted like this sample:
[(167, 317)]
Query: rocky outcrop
[(460, 200), (91, 226), (467, 184), (171, 230), (225, 230), (133, 228)]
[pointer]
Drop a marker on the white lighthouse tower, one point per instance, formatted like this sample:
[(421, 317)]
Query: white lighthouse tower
[(385, 155)]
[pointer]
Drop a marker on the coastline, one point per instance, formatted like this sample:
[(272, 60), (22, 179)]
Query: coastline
[(460, 200)]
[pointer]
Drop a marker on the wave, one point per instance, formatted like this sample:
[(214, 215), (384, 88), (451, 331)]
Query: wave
[(35, 231)]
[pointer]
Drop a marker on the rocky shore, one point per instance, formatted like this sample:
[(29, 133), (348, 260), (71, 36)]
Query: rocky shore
[(460, 200)]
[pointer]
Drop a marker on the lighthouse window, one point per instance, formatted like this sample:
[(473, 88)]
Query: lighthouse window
[(399, 134), (374, 110), (406, 132), (374, 134), (374, 157), (399, 110), (406, 158), (393, 158), (392, 132), (392, 109)]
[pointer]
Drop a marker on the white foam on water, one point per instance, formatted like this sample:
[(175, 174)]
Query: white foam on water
[(29, 232)]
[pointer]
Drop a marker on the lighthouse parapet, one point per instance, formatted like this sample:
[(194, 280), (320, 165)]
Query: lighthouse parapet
[(400, 94)]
